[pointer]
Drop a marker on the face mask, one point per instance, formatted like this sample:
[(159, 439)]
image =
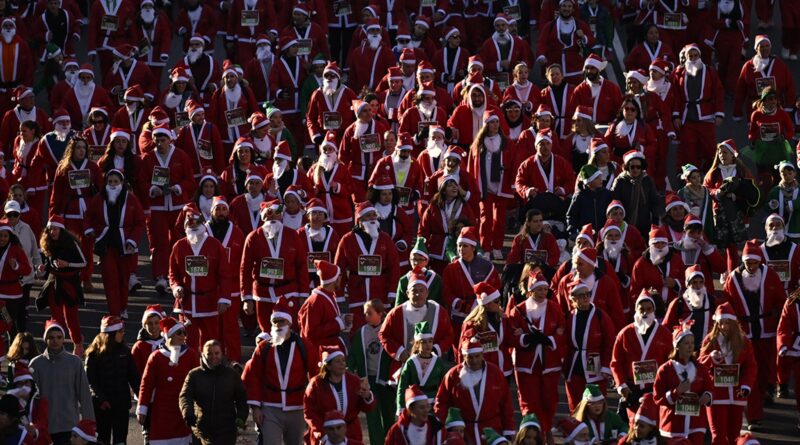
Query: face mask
[(8, 34), (273, 228), (372, 228), (148, 15)]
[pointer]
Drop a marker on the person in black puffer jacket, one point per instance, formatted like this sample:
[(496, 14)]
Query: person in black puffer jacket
[(213, 400), (112, 375)]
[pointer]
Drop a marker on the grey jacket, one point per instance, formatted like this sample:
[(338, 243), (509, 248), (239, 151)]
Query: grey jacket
[(61, 378), (30, 245)]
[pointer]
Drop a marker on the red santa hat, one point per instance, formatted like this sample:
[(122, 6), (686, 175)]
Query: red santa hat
[(632, 154), (22, 92), (582, 111), (282, 309), (333, 418), (414, 394), (644, 295), (536, 279), (357, 105), (86, 429), (729, 145), (425, 67), (588, 254), (660, 65), (470, 344), (747, 439), (193, 107), (229, 68), (383, 182), (442, 181), (450, 31), (423, 21), (694, 271), (683, 329), (372, 23), (752, 251), (316, 205), (70, 62), (153, 309), (691, 220), (638, 75), (774, 217), (263, 39), (258, 120), (609, 226), (329, 353), (595, 61), (303, 8), (283, 151), (243, 142), (404, 141), (134, 94), (454, 151), (373, 9), (490, 115), (296, 191), (543, 135), (158, 116), (119, 133), (395, 73), (691, 46), (330, 140), (286, 41), (475, 80), (102, 110), (192, 214), (615, 204), (673, 200), (21, 372), (648, 410), (333, 68), (124, 51), (597, 144), (547, 110), (52, 324), (725, 312), (198, 38), (434, 128), (403, 31), (417, 276), (474, 61), (658, 234), (587, 233), (363, 208), (169, 326), (270, 207), (485, 293), (57, 221), (759, 39), (163, 129), (326, 271), (60, 115), (111, 323), (218, 201), (428, 89), (570, 427), (501, 17), (209, 174), (468, 235), (179, 74)]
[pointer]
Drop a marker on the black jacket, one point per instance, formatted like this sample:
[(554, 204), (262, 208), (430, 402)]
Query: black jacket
[(112, 375), (211, 401)]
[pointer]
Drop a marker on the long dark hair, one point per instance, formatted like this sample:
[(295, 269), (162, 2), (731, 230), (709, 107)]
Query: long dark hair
[(621, 113), (199, 190), (66, 159), (48, 244), (129, 162)]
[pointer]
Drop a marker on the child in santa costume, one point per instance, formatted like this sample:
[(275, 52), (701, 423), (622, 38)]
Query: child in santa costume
[(335, 430), (605, 426), (15, 265), (415, 424), (149, 338), (334, 388), (33, 405), (537, 329), (491, 326), (162, 381), (644, 425)]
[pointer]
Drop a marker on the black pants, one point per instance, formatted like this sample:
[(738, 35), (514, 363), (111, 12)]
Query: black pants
[(18, 310), (61, 438), (340, 44), (113, 420)]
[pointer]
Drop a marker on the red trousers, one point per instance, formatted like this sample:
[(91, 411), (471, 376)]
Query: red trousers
[(575, 387), (116, 273), (538, 393), (725, 422), (764, 9), (790, 22), (68, 317), (729, 56), (200, 330), (229, 331), (785, 366), (698, 144), (263, 313), (87, 246), (492, 228), (657, 158), (766, 357), (793, 367), (161, 239)]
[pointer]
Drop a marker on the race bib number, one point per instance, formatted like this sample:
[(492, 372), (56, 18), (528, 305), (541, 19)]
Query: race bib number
[(181, 119), (235, 117), (764, 82), (593, 363), (513, 11), (342, 7), (109, 23), (535, 256), (769, 131), (644, 372), (204, 150), (403, 196), (369, 265), (197, 266), (688, 405), (428, 3), (160, 176), (782, 268), (79, 179), (144, 47), (489, 341), (314, 256), (726, 376), (303, 47), (673, 20), (250, 18), (331, 120), (271, 268), (369, 143)]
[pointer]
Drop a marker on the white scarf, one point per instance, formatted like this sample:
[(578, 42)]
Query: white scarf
[(752, 282), (232, 95), (535, 310), (413, 314), (492, 143)]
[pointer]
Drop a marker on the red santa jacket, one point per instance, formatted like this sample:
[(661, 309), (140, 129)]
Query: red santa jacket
[(232, 179), (258, 79), (412, 117), (491, 88), (497, 342), (211, 156), (206, 26), (203, 273), (642, 55), (117, 81), (449, 71), (10, 288), (240, 214), (72, 31), (320, 104), (750, 83), (771, 300), (38, 415), (567, 53), (465, 181), (528, 95), (761, 123), (159, 391), (397, 333), (366, 65), (325, 248), (524, 245), (435, 222), (630, 348), (19, 69), (531, 175), (297, 177), (143, 348), (563, 106), (335, 189), (269, 383), (136, 125), (287, 77), (362, 285), (461, 119), (507, 158), (78, 110), (398, 432), (412, 179), (785, 251), (491, 56), (131, 219), (287, 275), (361, 163), (159, 37), (232, 240), (70, 198), (525, 146), (656, 113), (320, 320), (646, 275), (321, 397), (748, 369), (23, 162), (219, 105), (605, 293), (313, 32), (594, 351), (544, 359), (10, 126), (179, 175), (491, 407), (788, 338), (118, 17), (458, 295), (665, 387), (711, 102), (605, 105), (266, 21), (711, 261), (206, 72)]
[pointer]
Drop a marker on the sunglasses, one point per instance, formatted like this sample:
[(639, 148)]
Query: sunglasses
[(12, 215)]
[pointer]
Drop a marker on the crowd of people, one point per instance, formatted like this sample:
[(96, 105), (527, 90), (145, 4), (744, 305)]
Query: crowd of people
[(336, 180)]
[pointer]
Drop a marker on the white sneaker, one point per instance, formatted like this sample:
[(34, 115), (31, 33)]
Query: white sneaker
[(161, 285), (133, 283), (497, 254), (123, 314), (785, 53)]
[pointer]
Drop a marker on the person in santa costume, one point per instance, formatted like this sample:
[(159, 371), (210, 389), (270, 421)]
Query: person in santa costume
[(523, 90), (334, 388), (320, 320), (630, 132), (330, 106), (397, 339), (650, 49), (491, 326), (450, 165), (312, 35), (534, 245), (23, 151), (424, 368), (201, 141), (24, 110), (16, 265), (274, 264), (611, 248), (639, 349), (245, 208), (439, 219), (175, 97), (631, 236), (391, 98), (319, 236), (203, 69), (757, 295), (372, 57), (699, 108), (781, 253), (241, 168), (34, 406), (683, 387), (788, 346), (149, 338), (541, 120), (558, 96), (56, 25), (467, 118), (69, 68), (401, 173), (501, 49), (415, 424), (562, 41), (728, 354), (597, 92), (195, 19), (695, 248), (393, 220), (285, 173), (263, 141), (333, 184), (424, 113), (285, 80), (111, 26), (361, 144), (431, 158), (258, 70), (17, 68), (247, 19), (166, 174), (156, 116), (126, 72), (479, 390), (426, 74), (277, 374), (230, 106), (451, 59), (660, 268), (369, 262), (133, 115), (764, 69), (162, 381), (118, 155), (293, 202), (115, 221), (153, 29), (84, 97)]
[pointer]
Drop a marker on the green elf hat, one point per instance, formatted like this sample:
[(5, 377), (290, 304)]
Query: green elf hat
[(589, 173), (529, 421), (422, 331), (784, 164), (319, 59), (270, 110), (454, 419), (592, 393), (687, 170), (419, 247), (492, 437)]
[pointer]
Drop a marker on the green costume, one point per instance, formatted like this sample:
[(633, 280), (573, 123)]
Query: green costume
[(411, 373), (378, 420), (612, 427)]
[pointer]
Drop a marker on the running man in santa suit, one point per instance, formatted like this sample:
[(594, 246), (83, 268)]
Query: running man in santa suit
[(696, 303), (661, 268), (331, 97), (333, 185)]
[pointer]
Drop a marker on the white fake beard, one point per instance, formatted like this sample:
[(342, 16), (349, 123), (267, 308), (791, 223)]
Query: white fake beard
[(612, 248), (361, 128), (316, 234), (148, 15), (502, 38), (492, 143), (659, 87), (589, 281), (657, 255), (752, 282), (131, 108), (694, 298), (233, 94), (113, 192), (263, 146), (533, 309), (643, 323), (71, 77), (469, 378), (8, 35), (273, 228), (329, 86), (194, 54), (263, 54), (61, 133), (278, 167), (327, 160), (759, 64), (688, 243), (694, 66), (174, 355), (775, 237), (84, 90), (372, 228), (172, 100), (196, 234), (426, 108), (435, 147), (254, 203), (374, 40), (279, 335)]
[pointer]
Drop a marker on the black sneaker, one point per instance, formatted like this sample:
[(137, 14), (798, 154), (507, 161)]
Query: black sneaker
[(754, 425), (783, 391)]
